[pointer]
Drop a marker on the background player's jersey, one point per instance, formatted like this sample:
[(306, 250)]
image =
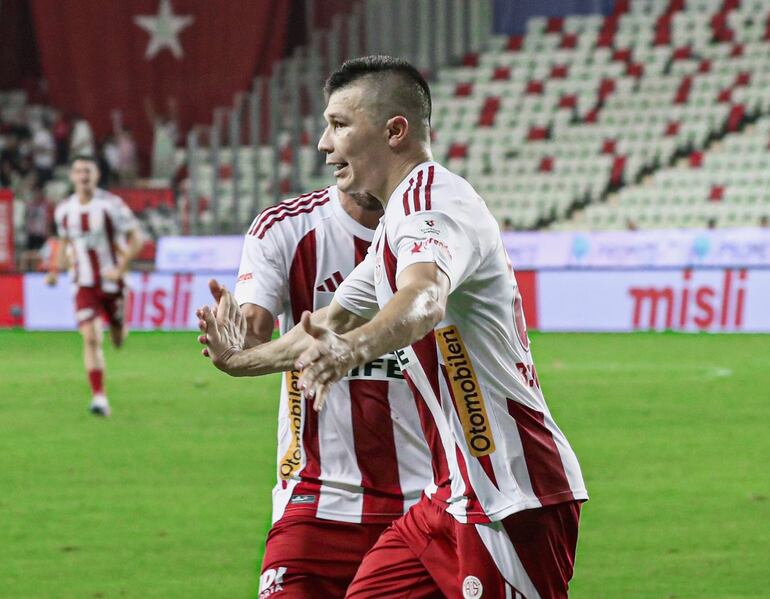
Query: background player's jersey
[(363, 458), (95, 230), (496, 450)]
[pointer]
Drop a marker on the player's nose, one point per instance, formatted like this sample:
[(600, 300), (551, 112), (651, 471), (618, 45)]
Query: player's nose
[(324, 144)]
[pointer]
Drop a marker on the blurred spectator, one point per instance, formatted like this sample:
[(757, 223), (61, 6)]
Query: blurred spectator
[(61, 136), (43, 152), (37, 226), (164, 138), (109, 160), (764, 221), (127, 157), (711, 223), (508, 224), (82, 138), (10, 160), (631, 225)]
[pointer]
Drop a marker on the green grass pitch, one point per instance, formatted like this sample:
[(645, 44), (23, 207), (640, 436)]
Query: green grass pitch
[(171, 497)]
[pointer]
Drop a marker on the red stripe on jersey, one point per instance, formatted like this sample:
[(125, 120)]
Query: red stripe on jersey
[(362, 247), (338, 278), (428, 186), (484, 461), (110, 230), (390, 265), (286, 204), (294, 212), (416, 199), (375, 448), (546, 470), (406, 197), (85, 227), (472, 506), (302, 276), (427, 355), (64, 223)]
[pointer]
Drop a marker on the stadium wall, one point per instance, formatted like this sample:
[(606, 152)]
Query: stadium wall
[(601, 300)]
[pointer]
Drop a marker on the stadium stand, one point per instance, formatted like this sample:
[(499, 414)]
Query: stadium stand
[(583, 121)]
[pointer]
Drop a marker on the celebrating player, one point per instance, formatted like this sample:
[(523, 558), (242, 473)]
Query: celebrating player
[(500, 517), (343, 475), (91, 225)]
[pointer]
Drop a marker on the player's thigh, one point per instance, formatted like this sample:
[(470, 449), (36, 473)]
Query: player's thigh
[(91, 332), (307, 557), (391, 569), (529, 555)]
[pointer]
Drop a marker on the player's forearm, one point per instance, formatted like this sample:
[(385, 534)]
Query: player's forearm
[(134, 246), (278, 355), (410, 315)]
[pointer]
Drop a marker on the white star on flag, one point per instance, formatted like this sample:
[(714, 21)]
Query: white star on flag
[(164, 29)]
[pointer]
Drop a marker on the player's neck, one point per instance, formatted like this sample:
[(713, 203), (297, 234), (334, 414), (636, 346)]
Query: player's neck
[(368, 218), (85, 196), (402, 167)]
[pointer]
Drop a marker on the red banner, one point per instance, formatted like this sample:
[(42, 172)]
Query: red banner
[(142, 199), (6, 230), (99, 56)]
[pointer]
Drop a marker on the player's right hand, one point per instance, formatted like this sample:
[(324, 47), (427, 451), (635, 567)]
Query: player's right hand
[(51, 278)]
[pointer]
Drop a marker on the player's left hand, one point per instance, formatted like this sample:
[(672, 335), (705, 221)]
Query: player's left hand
[(224, 329), (325, 362)]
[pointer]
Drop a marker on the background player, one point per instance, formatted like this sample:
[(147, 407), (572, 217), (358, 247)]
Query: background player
[(500, 517), (345, 474), (100, 236)]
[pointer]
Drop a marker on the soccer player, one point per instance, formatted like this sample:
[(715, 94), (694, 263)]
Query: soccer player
[(500, 517), (100, 236), (344, 474)]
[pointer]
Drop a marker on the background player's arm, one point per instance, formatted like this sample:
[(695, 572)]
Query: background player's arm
[(224, 335), (134, 241), (415, 309), (58, 261)]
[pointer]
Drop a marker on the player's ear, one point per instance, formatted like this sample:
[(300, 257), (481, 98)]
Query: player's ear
[(397, 129)]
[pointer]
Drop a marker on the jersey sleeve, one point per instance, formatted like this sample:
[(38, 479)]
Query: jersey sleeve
[(435, 236), (356, 293), (262, 279), (125, 220)]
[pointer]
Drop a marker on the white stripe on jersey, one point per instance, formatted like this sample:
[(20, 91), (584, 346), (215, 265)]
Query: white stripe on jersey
[(499, 546), (292, 254)]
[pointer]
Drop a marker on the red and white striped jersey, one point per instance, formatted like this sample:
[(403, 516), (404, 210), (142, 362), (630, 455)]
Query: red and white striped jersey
[(495, 447), (95, 231), (363, 458)]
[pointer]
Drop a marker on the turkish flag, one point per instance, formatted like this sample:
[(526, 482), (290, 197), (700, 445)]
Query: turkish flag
[(100, 56)]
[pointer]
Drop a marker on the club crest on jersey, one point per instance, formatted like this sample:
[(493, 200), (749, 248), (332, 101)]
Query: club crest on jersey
[(472, 588), (466, 392), (290, 462), (430, 227)]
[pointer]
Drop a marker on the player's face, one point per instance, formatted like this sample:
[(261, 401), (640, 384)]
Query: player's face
[(84, 176), (353, 142)]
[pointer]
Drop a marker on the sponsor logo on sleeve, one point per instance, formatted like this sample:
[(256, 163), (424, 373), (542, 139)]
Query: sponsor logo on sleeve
[(245, 277), (290, 462), (466, 391)]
